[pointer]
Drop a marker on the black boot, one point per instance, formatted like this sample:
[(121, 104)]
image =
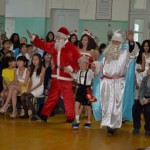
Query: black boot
[(110, 131), (43, 118), (69, 121)]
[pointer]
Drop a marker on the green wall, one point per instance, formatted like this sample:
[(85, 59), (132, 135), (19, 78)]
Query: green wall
[(41, 26), (35, 25), (99, 27)]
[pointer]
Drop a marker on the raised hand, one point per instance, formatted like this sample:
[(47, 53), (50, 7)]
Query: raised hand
[(29, 34)]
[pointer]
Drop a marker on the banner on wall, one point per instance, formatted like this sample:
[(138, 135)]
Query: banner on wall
[(104, 9)]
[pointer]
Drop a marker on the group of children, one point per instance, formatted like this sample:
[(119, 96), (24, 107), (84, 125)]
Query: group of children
[(25, 75)]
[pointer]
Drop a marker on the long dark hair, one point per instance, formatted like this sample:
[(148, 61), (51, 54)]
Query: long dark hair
[(15, 43), (139, 58), (148, 42), (23, 58), (76, 42), (21, 45), (32, 66), (101, 47), (7, 60), (91, 43), (44, 54), (47, 38)]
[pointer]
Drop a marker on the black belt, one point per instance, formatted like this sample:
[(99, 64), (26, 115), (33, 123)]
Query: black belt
[(83, 85), (59, 67)]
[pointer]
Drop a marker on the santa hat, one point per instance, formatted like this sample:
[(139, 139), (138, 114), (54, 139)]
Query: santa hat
[(86, 31), (117, 36), (74, 32), (63, 32), (92, 36)]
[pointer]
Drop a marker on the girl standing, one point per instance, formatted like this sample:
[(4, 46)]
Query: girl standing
[(96, 107), (73, 38), (50, 37), (146, 53), (87, 48), (139, 71)]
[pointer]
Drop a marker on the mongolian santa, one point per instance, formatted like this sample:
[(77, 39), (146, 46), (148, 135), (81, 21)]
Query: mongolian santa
[(65, 58)]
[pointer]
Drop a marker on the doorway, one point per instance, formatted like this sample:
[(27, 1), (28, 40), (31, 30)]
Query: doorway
[(140, 19), (64, 17)]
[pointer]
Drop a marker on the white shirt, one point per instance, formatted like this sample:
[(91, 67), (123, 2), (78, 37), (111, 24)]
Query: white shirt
[(26, 55), (90, 76)]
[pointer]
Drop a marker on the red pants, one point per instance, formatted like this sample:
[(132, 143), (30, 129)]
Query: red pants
[(60, 87)]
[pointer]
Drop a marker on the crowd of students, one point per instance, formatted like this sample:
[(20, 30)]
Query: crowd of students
[(25, 73)]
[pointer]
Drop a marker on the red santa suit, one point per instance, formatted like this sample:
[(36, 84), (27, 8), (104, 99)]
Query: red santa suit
[(61, 82)]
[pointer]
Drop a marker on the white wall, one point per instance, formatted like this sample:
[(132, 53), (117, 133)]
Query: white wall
[(2, 7), (25, 8), (41, 8), (120, 8)]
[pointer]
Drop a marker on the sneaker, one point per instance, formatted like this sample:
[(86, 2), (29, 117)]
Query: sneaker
[(147, 133), (87, 125), (75, 125), (136, 131)]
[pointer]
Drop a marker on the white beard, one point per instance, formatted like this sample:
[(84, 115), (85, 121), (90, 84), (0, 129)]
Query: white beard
[(59, 44), (112, 52)]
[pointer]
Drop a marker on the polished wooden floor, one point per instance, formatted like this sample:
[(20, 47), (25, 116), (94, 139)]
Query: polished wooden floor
[(20, 134)]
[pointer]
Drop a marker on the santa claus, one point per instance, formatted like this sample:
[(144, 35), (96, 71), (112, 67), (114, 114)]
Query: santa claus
[(65, 58)]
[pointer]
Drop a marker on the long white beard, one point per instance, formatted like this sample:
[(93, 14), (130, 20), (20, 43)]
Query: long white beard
[(59, 44), (112, 52)]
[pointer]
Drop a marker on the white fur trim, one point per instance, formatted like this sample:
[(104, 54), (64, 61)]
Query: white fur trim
[(85, 54), (70, 68), (62, 35), (117, 37), (99, 66), (33, 37), (58, 62), (135, 52)]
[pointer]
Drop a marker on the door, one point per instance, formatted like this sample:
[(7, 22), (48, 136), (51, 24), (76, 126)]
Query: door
[(139, 24), (64, 17)]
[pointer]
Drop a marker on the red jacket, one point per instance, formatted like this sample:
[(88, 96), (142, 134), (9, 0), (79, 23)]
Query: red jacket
[(66, 57)]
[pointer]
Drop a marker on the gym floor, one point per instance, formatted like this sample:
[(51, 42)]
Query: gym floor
[(17, 134)]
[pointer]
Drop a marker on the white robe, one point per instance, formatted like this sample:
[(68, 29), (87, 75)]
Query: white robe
[(112, 90)]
